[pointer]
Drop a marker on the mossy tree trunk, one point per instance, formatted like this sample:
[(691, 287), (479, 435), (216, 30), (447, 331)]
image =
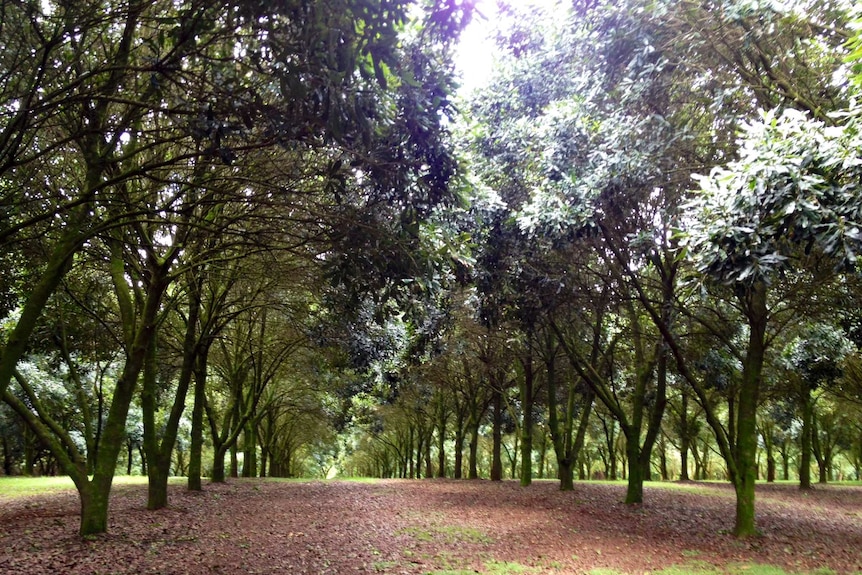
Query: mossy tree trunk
[(753, 299)]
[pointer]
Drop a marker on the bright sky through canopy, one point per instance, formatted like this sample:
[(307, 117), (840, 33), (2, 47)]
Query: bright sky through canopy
[(474, 57)]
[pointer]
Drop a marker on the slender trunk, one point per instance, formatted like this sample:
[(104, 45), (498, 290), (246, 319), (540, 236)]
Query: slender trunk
[(409, 451), (249, 458), (420, 438), (459, 450), (566, 448), (662, 446), (823, 468), (234, 461), (821, 451), (527, 397), (683, 438), (770, 453), (157, 494), (441, 443), (59, 263), (497, 436), (805, 439), (754, 302), (557, 430), (473, 455), (197, 432)]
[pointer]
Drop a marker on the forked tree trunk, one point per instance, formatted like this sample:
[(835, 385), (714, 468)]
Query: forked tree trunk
[(94, 508)]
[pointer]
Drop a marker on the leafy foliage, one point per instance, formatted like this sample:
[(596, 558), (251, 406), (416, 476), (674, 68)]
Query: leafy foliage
[(794, 188)]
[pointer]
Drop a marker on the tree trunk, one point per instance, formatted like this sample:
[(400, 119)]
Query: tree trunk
[(683, 438), (566, 471), (130, 452), (197, 432), (807, 410), (441, 446), (566, 448), (157, 486), (497, 436), (527, 391), (663, 459), (635, 488), (249, 457), (234, 461), (94, 507), (157, 490), (755, 305), (473, 455), (218, 473), (458, 472), (429, 470), (768, 442)]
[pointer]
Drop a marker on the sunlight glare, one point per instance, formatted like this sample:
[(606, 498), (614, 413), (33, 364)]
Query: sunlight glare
[(474, 56)]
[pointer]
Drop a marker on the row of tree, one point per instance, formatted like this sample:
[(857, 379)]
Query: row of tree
[(178, 182), (443, 426), (248, 225), (667, 209)]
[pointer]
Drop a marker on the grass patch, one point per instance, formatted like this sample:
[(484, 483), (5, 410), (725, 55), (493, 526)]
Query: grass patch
[(699, 488), (490, 568), (15, 487), (704, 568), (384, 566), (280, 479), (340, 479), (448, 533)]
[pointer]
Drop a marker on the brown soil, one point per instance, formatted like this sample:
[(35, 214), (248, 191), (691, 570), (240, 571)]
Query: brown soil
[(259, 526)]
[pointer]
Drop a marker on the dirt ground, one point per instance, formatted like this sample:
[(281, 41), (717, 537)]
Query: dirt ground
[(397, 526)]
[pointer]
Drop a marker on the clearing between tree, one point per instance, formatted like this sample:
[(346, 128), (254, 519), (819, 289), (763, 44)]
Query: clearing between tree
[(433, 526)]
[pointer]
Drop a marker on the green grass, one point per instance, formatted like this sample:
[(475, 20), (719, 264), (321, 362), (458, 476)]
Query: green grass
[(448, 533), (703, 568), (15, 487), (355, 479), (490, 568), (281, 479), (699, 488)]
